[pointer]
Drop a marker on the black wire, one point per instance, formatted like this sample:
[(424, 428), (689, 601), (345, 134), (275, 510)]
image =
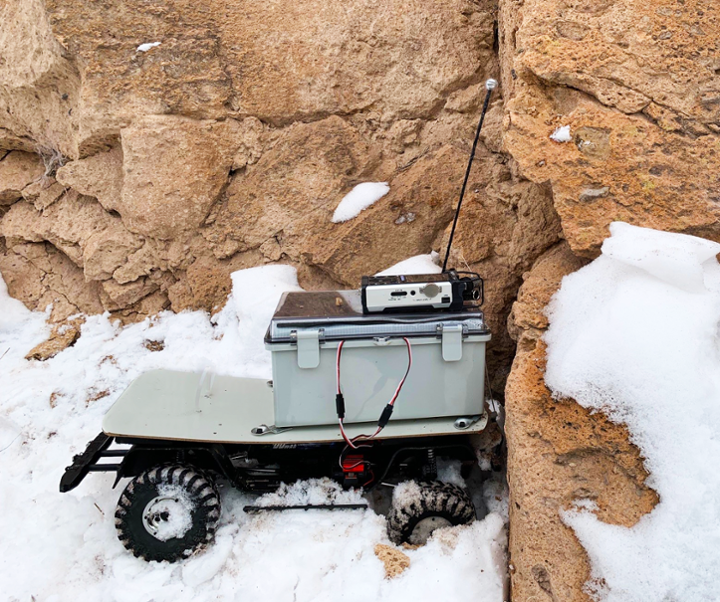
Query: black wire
[(467, 175)]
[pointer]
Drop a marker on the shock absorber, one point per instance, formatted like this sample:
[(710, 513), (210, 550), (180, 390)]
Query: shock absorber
[(430, 466)]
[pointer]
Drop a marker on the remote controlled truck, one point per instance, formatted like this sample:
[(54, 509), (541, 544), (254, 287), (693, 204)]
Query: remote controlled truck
[(370, 388), (366, 399)]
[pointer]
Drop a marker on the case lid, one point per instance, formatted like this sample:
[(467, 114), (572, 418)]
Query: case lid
[(338, 315)]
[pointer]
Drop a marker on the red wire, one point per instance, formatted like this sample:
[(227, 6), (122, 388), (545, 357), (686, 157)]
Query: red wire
[(351, 442)]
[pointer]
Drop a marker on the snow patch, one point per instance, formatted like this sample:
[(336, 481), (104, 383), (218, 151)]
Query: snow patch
[(50, 410), (255, 296), (497, 497), (313, 492), (407, 493), (420, 264), (174, 502), (9, 433), (448, 471), (674, 258), (359, 199), (147, 46), (474, 553), (13, 313), (561, 134), (635, 335)]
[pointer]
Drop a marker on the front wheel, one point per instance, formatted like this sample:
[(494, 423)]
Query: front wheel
[(168, 513), (420, 508)]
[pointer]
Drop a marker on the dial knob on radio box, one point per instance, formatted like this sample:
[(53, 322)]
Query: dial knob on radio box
[(430, 290)]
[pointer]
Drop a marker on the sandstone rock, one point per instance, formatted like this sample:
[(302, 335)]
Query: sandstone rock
[(39, 82), (626, 54), (505, 224), (174, 169), (80, 79), (157, 137), (314, 58), (206, 284), (539, 285), (558, 452), (394, 560), (117, 296), (670, 189), (250, 139), (17, 170), (597, 74), (43, 192), (41, 275), (99, 176), (184, 75), (291, 192), (151, 256), (79, 227), (62, 336), (403, 223)]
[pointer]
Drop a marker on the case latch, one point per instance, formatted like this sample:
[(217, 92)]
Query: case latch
[(452, 342), (308, 348)]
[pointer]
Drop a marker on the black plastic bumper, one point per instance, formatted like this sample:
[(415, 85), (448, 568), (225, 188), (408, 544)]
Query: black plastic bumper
[(88, 462)]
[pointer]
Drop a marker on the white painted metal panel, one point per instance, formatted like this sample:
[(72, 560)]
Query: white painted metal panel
[(163, 404)]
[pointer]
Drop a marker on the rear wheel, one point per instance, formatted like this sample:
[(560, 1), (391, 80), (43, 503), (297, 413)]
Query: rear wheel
[(168, 513), (421, 508)]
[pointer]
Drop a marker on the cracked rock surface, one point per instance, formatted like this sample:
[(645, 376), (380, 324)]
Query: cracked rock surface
[(135, 181), (156, 147), (638, 87)]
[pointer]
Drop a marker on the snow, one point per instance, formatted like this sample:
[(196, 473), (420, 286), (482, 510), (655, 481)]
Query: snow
[(255, 295), (359, 199), (57, 547), (312, 491), (561, 134), (420, 264), (448, 471), (635, 334), (174, 501), (147, 46), (13, 314), (407, 493)]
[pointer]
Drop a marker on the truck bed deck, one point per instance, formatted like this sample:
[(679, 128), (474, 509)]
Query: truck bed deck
[(190, 406)]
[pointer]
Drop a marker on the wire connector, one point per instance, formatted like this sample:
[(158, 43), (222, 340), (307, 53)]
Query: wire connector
[(340, 405), (385, 416)]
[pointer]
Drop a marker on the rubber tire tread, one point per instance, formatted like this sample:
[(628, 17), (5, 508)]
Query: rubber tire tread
[(436, 498), (143, 488)]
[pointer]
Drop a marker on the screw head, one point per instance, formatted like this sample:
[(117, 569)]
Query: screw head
[(491, 84)]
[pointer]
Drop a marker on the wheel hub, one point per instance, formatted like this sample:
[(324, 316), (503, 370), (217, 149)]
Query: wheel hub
[(167, 518), (425, 528)]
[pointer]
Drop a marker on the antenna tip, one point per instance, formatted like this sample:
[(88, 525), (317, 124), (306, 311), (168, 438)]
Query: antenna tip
[(491, 84)]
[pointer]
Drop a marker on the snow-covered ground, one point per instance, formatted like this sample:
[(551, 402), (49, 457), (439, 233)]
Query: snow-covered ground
[(62, 547), (636, 334)]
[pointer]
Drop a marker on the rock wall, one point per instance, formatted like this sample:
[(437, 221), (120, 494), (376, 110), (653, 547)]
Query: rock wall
[(638, 84), (139, 179), (148, 149), (559, 453)]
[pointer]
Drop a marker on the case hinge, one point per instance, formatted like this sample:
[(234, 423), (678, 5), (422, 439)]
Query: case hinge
[(452, 335), (308, 348)]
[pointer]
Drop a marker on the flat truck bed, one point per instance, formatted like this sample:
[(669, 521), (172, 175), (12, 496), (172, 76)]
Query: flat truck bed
[(189, 406)]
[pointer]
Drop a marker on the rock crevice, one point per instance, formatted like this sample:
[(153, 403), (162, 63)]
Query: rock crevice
[(229, 141)]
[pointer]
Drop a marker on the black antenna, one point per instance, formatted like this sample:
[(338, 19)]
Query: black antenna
[(490, 85)]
